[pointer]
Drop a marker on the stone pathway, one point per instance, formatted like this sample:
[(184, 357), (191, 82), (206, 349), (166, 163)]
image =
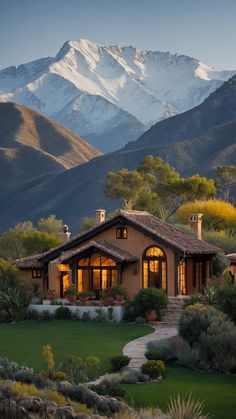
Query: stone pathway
[(137, 348)]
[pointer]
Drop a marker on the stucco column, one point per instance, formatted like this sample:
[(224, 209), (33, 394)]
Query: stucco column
[(53, 275)]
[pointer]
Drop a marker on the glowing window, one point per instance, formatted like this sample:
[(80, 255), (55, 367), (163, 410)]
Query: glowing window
[(121, 233), (182, 278), (154, 252), (37, 273)]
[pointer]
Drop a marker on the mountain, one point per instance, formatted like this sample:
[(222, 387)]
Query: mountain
[(32, 145), (196, 141), (110, 95)]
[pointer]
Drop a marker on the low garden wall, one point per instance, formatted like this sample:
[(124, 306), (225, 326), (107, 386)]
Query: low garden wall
[(114, 313)]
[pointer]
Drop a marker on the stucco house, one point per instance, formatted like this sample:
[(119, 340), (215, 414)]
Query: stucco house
[(133, 248)]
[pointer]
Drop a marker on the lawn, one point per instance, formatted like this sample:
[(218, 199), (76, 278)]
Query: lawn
[(23, 342), (217, 391)]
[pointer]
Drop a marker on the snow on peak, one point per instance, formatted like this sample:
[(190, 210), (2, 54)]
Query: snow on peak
[(142, 86)]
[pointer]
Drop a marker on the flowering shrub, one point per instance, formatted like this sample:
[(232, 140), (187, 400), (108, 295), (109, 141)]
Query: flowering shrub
[(48, 356), (154, 368)]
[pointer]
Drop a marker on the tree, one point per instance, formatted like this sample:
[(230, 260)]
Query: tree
[(87, 223), (51, 225), (37, 242), (226, 180), (217, 215), (125, 185), (156, 187), (11, 244)]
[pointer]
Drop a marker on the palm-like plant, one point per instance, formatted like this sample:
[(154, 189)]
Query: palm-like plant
[(186, 408)]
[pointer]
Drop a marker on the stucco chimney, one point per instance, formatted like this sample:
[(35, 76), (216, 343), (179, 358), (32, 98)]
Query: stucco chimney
[(66, 233), (195, 223), (100, 215)]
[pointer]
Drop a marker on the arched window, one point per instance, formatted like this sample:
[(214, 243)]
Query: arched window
[(121, 233), (154, 268)]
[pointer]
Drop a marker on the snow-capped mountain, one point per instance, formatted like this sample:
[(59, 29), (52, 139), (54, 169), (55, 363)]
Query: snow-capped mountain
[(110, 95)]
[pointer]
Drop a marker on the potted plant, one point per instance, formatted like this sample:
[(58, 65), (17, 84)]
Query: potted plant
[(149, 302), (119, 293), (71, 293), (107, 297), (84, 296)]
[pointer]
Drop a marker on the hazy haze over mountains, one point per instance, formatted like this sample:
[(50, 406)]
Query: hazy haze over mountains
[(196, 141), (110, 95)]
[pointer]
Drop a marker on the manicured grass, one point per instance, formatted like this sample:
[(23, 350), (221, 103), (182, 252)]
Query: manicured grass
[(217, 391), (23, 342)]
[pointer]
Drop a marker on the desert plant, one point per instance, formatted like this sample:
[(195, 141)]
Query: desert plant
[(163, 349), (93, 364), (118, 362), (23, 390), (185, 408), (29, 377), (15, 298), (59, 376), (49, 358), (192, 299), (192, 323), (63, 313), (153, 368), (149, 299), (210, 294)]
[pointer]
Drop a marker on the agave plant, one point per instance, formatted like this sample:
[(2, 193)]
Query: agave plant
[(14, 301), (210, 294), (186, 408)]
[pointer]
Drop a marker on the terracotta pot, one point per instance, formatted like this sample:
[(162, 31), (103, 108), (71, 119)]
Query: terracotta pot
[(120, 298), (71, 298), (108, 301), (151, 315)]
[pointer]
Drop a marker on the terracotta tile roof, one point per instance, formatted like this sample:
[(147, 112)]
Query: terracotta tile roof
[(102, 246), (28, 262), (143, 220), (169, 233)]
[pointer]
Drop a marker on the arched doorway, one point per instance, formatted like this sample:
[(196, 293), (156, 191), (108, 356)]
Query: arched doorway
[(154, 268)]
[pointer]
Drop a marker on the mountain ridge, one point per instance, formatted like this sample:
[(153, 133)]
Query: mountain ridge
[(137, 87)]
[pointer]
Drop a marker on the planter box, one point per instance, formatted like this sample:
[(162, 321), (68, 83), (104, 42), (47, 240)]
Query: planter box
[(118, 311)]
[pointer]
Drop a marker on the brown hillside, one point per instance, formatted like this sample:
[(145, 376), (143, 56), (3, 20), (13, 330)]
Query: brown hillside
[(20, 126)]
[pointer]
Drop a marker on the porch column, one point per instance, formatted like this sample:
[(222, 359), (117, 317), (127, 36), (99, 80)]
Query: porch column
[(53, 275), (176, 278)]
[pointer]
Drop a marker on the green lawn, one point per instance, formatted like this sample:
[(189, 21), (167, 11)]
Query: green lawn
[(217, 391), (23, 342)]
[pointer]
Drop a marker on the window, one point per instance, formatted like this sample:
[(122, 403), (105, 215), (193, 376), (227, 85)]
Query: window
[(121, 233), (154, 268), (37, 273), (182, 278)]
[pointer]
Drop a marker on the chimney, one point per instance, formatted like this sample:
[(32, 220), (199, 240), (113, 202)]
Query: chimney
[(100, 216), (195, 223), (66, 234)]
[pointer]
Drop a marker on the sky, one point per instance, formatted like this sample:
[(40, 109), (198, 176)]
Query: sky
[(204, 29)]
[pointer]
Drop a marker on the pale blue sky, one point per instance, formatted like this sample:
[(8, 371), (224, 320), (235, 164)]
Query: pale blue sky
[(205, 29)]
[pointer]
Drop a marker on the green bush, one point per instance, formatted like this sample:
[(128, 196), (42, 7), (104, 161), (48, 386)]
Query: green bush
[(106, 388), (118, 362), (153, 368), (46, 315), (192, 299), (62, 313), (226, 300), (59, 376), (163, 349), (212, 335), (149, 299), (219, 264), (118, 290)]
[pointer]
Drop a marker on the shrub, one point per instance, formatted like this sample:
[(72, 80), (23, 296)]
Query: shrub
[(226, 300), (106, 388), (219, 264), (56, 397), (86, 317), (46, 315), (29, 377), (192, 299), (149, 299), (213, 335), (23, 390), (63, 313), (118, 290), (59, 376), (153, 368), (192, 323), (163, 349), (118, 362), (32, 314), (190, 358)]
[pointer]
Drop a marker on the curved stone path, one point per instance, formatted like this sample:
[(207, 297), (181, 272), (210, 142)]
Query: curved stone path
[(137, 348)]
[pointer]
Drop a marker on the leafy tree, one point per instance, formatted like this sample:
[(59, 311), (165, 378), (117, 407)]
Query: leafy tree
[(226, 180), (51, 225), (221, 239), (156, 187), (37, 242), (11, 244), (217, 215), (125, 185), (87, 223)]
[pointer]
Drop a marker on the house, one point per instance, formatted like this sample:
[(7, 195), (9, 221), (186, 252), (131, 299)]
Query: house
[(133, 248)]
